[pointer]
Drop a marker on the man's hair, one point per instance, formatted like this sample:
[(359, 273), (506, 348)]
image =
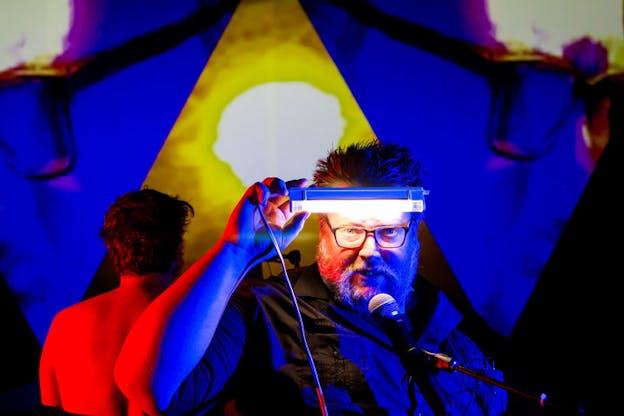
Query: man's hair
[(143, 231), (370, 164)]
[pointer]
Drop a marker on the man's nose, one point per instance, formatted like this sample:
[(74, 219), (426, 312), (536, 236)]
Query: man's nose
[(369, 247)]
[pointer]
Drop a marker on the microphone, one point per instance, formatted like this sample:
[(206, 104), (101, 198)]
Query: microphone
[(385, 310)]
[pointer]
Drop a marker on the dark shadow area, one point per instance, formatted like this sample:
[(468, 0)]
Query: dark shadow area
[(565, 343), (104, 64), (19, 356), (104, 280), (464, 54)]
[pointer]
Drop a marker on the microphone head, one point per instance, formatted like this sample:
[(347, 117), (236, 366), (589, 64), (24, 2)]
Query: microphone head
[(383, 305)]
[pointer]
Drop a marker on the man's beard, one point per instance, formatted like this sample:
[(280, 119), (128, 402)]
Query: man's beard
[(356, 283)]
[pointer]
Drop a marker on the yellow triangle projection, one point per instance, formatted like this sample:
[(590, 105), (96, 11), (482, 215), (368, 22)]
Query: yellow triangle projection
[(269, 102)]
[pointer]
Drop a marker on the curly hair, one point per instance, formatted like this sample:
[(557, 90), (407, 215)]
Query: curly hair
[(369, 163), (143, 231)]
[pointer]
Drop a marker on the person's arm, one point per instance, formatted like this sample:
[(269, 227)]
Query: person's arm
[(172, 334)]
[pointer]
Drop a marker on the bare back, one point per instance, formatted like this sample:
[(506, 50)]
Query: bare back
[(76, 368)]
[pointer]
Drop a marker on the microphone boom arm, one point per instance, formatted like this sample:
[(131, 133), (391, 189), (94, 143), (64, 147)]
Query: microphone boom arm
[(449, 364), (416, 360)]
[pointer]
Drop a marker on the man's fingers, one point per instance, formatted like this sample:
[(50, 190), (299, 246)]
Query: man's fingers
[(297, 183), (275, 185), (294, 227)]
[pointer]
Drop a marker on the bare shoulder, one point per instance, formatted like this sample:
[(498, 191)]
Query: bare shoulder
[(82, 311)]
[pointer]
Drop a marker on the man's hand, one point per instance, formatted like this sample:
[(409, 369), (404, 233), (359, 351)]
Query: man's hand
[(245, 227)]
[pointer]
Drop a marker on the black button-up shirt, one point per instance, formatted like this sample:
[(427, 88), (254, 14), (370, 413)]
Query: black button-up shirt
[(257, 361)]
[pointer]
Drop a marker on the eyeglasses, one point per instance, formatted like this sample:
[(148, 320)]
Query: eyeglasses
[(385, 237)]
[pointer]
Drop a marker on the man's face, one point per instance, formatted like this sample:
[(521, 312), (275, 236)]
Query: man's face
[(356, 274)]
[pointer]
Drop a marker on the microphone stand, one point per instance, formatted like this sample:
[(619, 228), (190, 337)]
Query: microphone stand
[(418, 361), (444, 362)]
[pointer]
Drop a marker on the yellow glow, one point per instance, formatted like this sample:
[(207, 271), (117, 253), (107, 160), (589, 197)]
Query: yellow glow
[(267, 43)]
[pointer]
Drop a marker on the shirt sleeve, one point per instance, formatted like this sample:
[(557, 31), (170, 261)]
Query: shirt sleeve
[(202, 388)]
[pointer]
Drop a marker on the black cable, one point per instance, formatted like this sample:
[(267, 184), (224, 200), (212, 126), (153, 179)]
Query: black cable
[(319, 389)]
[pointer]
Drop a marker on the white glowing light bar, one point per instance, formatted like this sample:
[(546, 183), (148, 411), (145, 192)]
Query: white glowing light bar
[(404, 199)]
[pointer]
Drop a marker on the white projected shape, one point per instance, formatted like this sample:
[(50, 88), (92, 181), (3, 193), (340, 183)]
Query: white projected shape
[(547, 26), (278, 129), (33, 31)]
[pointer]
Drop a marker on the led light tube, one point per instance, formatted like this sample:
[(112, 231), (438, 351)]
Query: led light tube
[(402, 199)]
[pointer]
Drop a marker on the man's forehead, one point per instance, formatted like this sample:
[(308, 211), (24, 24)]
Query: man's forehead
[(367, 218)]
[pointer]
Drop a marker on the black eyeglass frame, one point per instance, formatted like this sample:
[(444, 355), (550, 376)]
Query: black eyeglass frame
[(374, 233)]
